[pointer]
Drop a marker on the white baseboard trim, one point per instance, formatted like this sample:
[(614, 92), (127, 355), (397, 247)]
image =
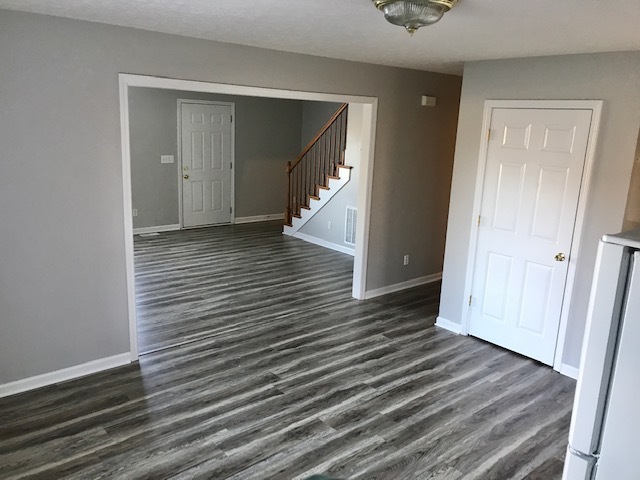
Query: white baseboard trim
[(159, 228), (259, 218), (448, 325), (402, 286), (569, 371), (70, 373), (324, 243)]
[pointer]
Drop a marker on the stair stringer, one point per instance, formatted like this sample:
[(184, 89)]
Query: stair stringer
[(335, 185)]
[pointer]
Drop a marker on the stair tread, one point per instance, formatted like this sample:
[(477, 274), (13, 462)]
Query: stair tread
[(314, 197), (305, 207), (295, 215), (323, 187), (345, 166), (335, 177)]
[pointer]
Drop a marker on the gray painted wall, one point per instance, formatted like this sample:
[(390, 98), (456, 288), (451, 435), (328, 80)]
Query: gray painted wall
[(267, 135), (63, 295), (632, 212), (612, 77), (315, 115), (334, 210), (153, 132)]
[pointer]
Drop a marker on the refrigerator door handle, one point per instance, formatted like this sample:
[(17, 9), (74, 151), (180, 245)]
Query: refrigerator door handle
[(583, 456), (579, 465)]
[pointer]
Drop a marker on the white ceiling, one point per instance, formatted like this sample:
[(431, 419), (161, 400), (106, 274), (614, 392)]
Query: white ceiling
[(355, 30)]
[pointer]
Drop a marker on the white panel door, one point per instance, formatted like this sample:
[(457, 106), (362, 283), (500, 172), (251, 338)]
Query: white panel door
[(206, 164), (533, 176)]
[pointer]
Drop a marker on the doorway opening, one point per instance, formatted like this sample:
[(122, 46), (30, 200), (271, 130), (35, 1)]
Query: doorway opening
[(368, 106)]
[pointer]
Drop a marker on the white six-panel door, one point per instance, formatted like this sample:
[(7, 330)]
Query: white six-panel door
[(206, 164), (533, 176)]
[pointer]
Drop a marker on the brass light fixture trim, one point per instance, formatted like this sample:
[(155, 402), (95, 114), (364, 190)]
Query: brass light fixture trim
[(448, 4), (413, 14)]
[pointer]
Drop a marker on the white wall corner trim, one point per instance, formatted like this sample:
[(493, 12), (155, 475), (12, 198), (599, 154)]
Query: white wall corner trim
[(157, 229), (260, 218), (324, 243), (448, 325), (65, 374), (569, 371), (415, 282)]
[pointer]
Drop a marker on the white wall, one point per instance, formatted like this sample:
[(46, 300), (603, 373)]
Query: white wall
[(612, 77), (63, 297), (334, 210)]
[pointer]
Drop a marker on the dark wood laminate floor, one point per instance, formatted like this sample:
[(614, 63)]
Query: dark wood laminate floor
[(194, 283), (357, 390)]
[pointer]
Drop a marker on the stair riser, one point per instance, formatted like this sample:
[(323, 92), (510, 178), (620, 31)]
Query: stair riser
[(324, 196)]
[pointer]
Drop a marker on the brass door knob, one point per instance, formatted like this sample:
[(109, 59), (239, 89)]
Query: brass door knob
[(560, 257), (186, 177)]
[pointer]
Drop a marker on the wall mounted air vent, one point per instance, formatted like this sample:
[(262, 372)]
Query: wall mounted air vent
[(351, 220)]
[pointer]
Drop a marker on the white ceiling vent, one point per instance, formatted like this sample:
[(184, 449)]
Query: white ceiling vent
[(351, 220)]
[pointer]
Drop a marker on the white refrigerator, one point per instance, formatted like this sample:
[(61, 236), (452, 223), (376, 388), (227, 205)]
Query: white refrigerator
[(604, 438)]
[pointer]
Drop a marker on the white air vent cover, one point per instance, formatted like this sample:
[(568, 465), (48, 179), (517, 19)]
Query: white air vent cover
[(351, 220)]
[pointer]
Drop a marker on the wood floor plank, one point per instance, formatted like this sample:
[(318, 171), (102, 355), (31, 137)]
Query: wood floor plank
[(261, 365)]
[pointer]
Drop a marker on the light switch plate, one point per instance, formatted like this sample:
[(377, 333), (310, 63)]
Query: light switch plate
[(428, 101), (166, 158)]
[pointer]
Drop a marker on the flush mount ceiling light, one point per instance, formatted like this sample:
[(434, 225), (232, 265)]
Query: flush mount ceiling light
[(413, 14)]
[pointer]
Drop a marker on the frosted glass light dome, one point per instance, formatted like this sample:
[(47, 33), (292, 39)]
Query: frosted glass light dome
[(413, 14)]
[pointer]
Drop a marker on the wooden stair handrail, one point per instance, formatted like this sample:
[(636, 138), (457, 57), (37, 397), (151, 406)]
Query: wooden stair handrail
[(317, 137), (318, 163)]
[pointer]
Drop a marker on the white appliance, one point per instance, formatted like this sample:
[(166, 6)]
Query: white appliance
[(605, 425)]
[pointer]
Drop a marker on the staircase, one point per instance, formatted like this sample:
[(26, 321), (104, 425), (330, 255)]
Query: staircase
[(318, 173)]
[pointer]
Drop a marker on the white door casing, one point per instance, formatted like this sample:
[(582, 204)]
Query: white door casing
[(533, 176), (206, 163), (369, 122)]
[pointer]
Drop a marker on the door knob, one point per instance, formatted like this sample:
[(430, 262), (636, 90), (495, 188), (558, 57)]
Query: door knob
[(186, 177), (560, 257)]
